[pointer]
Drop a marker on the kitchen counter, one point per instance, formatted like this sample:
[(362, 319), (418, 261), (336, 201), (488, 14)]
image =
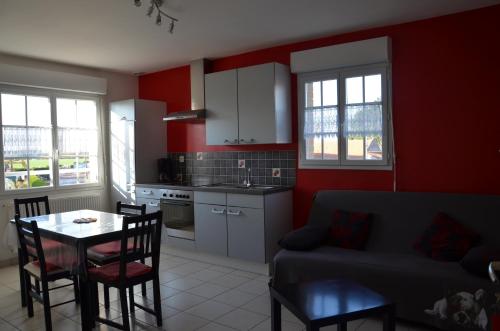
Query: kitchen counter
[(223, 188)]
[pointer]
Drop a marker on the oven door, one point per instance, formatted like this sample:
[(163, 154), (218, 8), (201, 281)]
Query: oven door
[(178, 218)]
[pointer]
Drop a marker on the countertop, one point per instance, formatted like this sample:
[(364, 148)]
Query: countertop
[(222, 188)]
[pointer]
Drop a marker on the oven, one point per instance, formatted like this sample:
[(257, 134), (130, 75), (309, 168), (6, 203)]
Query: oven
[(178, 213)]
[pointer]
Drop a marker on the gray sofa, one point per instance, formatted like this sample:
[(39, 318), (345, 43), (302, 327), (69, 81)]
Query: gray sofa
[(390, 265)]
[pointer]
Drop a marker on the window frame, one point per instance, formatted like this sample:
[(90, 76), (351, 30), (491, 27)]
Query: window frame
[(341, 75), (53, 95)]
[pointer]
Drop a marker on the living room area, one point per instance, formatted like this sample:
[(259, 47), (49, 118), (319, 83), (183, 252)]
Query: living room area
[(266, 165)]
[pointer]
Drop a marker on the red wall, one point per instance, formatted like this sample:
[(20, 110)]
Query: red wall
[(446, 88)]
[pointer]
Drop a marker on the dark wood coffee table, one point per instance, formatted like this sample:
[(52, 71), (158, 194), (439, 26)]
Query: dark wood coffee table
[(327, 302)]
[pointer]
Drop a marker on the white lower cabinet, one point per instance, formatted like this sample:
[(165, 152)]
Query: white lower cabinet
[(245, 233), (210, 228), (242, 226)]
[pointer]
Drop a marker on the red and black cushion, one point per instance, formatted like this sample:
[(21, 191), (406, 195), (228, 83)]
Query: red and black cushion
[(110, 273), (111, 248), (350, 229), (48, 245), (446, 239)]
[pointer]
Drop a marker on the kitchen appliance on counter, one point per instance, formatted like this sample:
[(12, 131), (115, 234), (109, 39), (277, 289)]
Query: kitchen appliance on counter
[(178, 213), (165, 170)]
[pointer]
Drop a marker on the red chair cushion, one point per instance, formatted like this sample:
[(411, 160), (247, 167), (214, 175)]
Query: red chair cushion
[(49, 266), (111, 272), (111, 248), (47, 246)]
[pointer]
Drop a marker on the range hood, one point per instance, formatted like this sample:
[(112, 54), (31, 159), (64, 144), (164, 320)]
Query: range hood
[(197, 110)]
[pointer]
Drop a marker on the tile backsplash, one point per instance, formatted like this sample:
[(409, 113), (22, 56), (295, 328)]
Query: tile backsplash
[(267, 167)]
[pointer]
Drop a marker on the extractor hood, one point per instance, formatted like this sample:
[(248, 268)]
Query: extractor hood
[(197, 111)]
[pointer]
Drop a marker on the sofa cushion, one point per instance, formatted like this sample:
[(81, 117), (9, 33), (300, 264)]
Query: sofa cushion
[(305, 238), (350, 229), (446, 239), (477, 259)]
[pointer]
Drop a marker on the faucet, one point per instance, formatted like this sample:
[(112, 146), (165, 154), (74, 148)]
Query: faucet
[(248, 182)]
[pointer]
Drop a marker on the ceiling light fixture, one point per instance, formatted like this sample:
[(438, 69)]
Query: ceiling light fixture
[(156, 4)]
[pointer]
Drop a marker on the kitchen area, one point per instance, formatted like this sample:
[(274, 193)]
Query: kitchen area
[(235, 202)]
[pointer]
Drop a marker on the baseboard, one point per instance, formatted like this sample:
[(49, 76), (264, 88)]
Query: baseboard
[(8, 262)]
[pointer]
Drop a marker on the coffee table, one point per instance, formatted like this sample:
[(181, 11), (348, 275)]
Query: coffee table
[(327, 302)]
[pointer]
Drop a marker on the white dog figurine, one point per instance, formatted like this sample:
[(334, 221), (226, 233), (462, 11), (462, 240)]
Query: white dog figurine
[(463, 308)]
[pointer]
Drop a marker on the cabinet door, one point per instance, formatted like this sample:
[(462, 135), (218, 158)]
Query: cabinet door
[(122, 150), (221, 104), (152, 205), (245, 232), (210, 228), (256, 108)]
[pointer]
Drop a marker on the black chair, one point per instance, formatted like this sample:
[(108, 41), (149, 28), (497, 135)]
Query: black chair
[(144, 232), (42, 270), (103, 254), (30, 207)]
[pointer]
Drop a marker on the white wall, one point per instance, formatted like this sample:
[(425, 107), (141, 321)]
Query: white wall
[(120, 86)]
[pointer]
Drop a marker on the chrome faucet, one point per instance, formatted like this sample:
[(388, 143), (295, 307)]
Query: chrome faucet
[(248, 182)]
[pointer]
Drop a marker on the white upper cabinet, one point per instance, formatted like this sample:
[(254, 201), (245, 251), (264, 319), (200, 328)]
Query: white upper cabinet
[(262, 112), (221, 103)]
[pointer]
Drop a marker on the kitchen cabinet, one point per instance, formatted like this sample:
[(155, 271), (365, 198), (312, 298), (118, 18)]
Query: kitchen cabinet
[(211, 231), (248, 105), (221, 103), (134, 125), (242, 226)]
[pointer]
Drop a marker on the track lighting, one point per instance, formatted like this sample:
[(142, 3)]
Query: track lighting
[(156, 4)]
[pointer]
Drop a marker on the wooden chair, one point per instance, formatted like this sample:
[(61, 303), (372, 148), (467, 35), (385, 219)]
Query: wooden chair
[(42, 270), (30, 207), (144, 232), (106, 253)]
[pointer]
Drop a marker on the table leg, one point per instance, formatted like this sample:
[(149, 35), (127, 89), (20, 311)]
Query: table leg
[(21, 277), (84, 304), (275, 315), (390, 319), (342, 326)]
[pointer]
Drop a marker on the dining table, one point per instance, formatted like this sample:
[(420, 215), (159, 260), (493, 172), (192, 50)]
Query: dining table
[(75, 239)]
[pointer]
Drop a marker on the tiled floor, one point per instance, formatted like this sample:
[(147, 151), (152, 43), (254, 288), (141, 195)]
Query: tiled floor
[(196, 295)]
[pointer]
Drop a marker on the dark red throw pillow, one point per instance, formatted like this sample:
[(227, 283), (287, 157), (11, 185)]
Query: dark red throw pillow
[(446, 239), (350, 229)]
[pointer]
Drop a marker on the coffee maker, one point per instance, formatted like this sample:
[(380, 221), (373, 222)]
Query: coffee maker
[(165, 170)]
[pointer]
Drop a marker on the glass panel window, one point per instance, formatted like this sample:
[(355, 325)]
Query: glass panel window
[(321, 120), (27, 141), (77, 141)]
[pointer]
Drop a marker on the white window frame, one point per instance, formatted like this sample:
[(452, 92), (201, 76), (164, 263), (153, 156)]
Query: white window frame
[(53, 95), (341, 75)]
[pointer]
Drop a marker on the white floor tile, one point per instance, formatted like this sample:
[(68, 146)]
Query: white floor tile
[(183, 301), (207, 274), (215, 327), (184, 322), (285, 326), (208, 290), (235, 297), (254, 286), (241, 319), (210, 310), (184, 283), (229, 281), (261, 305)]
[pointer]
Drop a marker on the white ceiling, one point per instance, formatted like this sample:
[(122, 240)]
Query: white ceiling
[(116, 35)]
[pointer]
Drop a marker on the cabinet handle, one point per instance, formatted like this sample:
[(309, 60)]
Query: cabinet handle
[(226, 141), (152, 204), (148, 192), (217, 211), (251, 141), (234, 213)]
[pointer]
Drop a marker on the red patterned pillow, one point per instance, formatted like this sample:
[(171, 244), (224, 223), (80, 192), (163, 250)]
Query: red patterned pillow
[(446, 239), (350, 229)]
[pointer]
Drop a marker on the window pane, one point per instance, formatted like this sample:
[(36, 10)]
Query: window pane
[(77, 141), (355, 132), (313, 147), (312, 121), (373, 145), (330, 92), (66, 113), (313, 94), (39, 111), (15, 142), (330, 120), (354, 90), (16, 173), (39, 142), (373, 88), (13, 109), (331, 147), (40, 172), (355, 147), (86, 114)]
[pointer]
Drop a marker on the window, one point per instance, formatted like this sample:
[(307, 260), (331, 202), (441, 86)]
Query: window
[(344, 119), (48, 140)]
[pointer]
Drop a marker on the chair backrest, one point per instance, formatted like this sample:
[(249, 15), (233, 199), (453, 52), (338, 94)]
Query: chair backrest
[(30, 243), (130, 210), (144, 233), (31, 206)]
